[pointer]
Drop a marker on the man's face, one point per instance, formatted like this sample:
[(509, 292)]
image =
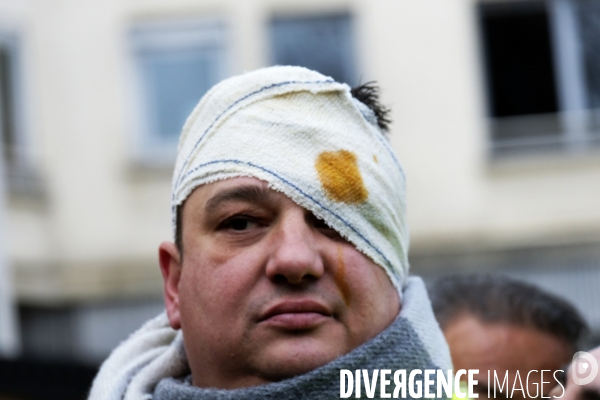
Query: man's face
[(265, 290), (502, 347)]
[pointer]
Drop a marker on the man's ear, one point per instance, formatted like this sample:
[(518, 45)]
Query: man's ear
[(170, 267)]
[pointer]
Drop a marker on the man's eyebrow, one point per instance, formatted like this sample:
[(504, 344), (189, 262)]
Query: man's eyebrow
[(249, 193)]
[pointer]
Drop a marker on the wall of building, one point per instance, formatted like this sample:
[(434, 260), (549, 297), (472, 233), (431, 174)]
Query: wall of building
[(85, 224)]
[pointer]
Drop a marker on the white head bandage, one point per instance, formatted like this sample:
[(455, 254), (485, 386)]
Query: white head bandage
[(306, 136)]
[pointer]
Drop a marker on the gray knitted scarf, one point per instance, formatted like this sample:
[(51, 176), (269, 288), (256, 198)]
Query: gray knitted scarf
[(413, 341)]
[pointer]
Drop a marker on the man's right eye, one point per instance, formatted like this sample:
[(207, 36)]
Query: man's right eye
[(238, 224)]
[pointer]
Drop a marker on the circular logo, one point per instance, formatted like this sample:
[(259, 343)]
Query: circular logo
[(584, 368)]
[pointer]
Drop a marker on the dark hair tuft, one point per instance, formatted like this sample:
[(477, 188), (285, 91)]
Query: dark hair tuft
[(368, 94), (178, 230)]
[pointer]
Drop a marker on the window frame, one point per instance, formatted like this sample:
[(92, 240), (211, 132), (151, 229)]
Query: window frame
[(573, 114), (22, 171), (147, 148), (19, 148), (350, 53)]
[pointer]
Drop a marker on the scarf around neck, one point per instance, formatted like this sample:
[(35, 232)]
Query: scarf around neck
[(146, 367)]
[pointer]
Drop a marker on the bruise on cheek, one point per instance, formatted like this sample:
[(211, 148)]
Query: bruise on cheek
[(340, 275)]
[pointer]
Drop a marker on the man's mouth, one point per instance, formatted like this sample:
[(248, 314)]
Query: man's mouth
[(296, 314)]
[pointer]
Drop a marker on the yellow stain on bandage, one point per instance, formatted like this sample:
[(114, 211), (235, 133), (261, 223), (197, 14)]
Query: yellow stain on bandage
[(340, 177)]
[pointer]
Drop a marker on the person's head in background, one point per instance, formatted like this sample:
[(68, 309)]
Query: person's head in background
[(494, 323)]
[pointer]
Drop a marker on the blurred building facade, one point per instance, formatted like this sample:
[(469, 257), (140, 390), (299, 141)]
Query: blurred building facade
[(494, 118)]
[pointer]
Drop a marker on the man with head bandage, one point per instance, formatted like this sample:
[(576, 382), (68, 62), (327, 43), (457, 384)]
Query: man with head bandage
[(290, 256)]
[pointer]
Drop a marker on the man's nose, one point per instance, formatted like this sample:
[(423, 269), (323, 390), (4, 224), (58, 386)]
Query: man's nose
[(295, 258)]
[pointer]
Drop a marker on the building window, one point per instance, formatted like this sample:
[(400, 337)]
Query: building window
[(9, 105), (543, 73), (18, 153), (323, 43), (175, 65)]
